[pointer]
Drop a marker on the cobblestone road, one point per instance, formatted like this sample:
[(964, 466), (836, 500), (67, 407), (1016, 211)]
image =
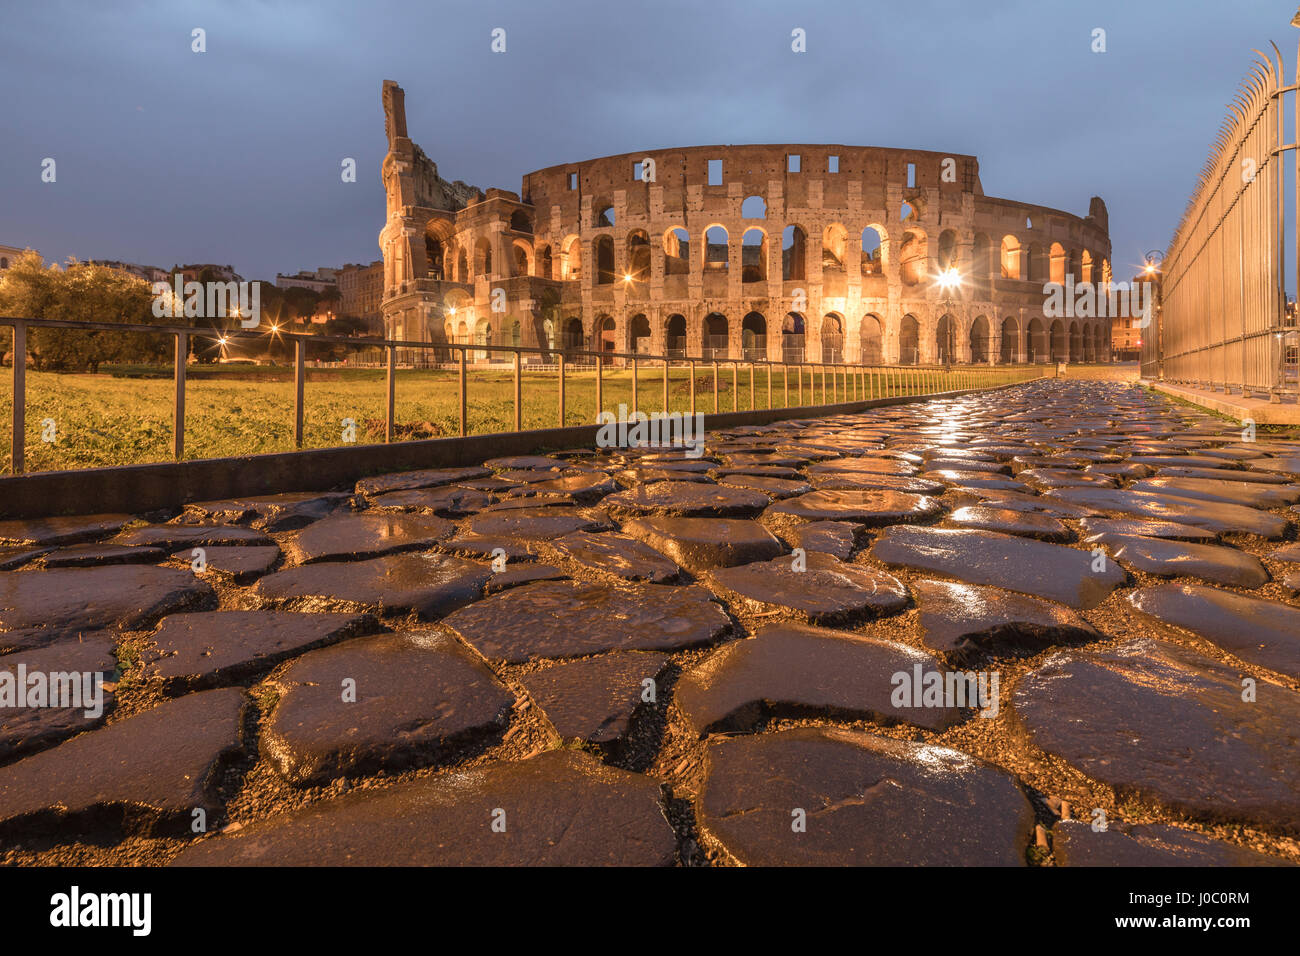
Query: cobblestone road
[(967, 631)]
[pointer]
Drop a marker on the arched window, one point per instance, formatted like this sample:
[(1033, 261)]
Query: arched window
[(754, 207), (753, 256), (794, 253), (677, 252), (873, 260)]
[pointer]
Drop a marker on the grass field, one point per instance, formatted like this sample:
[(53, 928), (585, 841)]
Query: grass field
[(124, 416)]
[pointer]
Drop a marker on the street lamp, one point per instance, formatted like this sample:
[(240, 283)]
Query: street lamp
[(949, 281)]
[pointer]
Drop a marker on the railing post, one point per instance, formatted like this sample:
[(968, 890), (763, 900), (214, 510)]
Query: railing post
[(769, 384), (752, 404), (519, 396), (389, 418), (715, 386), (691, 368), (600, 385), (178, 403), (299, 377), (634, 385), (464, 405), (562, 388), (735, 386), (18, 434), (665, 385), (785, 384)]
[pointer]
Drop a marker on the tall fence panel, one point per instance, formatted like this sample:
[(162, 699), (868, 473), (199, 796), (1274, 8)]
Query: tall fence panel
[(1222, 320)]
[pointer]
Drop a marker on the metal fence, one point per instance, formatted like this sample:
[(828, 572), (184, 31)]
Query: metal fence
[(1222, 320), (777, 382)]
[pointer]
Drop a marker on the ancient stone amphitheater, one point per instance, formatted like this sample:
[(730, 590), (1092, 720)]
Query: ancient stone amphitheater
[(713, 252)]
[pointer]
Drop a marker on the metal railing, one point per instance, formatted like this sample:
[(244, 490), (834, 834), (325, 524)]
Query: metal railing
[(1221, 310), (838, 382)]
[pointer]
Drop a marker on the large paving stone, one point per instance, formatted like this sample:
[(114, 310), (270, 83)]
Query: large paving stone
[(242, 565), (826, 590), (582, 488), (417, 698), (1261, 632), (593, 700), (448, 501), (285, 512), (1220, 517), (223, 647), (829, 537), (1161, 723), (560, 808), (1075, 843), (354, 537), (1018, 564), (98, 555), (15, 556), (858, 481), (1251, 494), (39, 724), (532, 523), (965, 623), (1172, 559), (1151, 529), (699, 544), (617, 555), (795, 670), (1007, 521), (686, 498), (572, 619), (869, 507), (61, 530), (429, 584), (867, 800), (46, 605), (173, 537), (155, 768), (408, 480)]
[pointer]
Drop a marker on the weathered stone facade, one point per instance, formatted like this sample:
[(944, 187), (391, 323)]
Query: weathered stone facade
[(713, 251)]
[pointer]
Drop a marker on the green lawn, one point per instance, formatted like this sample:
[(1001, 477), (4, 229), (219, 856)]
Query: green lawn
[(124, 416)]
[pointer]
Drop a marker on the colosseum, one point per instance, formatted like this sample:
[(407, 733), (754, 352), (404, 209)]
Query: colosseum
[(712, 252)]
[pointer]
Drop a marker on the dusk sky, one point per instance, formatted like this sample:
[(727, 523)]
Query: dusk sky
[(167, 156)]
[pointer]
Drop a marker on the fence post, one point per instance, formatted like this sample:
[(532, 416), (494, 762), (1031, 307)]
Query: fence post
[(178, 405), (519, 395), (464, 408), (600, 385), (735, 386), (715, 386), (390, 423), (299, 377), (769, 384), (690, 365), (634, 385), (18, 434), (785, 384), (665, 385), (562, 388)]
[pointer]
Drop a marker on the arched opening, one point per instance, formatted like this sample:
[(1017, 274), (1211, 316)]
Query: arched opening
[(870, 339), (832, 338), (638, 255), (603, 214), (792, 335), (1033, 263), (714, 336), (433, 253), (677, 251), (1010, 257), (572, 335), (482, 258), (1058, 344), (945, 340), (522, 265), (753, 337), (1010, 341), (909, 341), (716, 257), (675, 335), (873, 247), (794, 253), (753, 256), (979, 340), (606, 337), (947, 250), (1036, 342), (1056, 264), (638, 332), (571, 258), (1076, 343), (604, 256), (515, 339), (913, 257), (834, 239), (545, 265), (482, 338), (754, 207), (982, 267), (519, 221), (1085, 269)]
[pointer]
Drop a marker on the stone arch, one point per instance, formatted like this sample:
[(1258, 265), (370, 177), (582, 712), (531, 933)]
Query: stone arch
[(832, 338), (602, 214), (753, 207), (874, 250), (794, 254), (947, 250), (753, 255), (602, 253), (792, 337), (909, 341), (638, 333), (1057, 342), (1010, 341), (717, 249), (1085, 266), (945, 339), (871, 340), (980, 340), (1036, 345), (914, 257), (1075, 353), (545, 263), (571, 258), (753, 336), (638, 255), (1056, 264), (482, 257), (1011, 257), (713, 336), (573, 339), (677, 252), (982, 267), (675, 335), (523, 258), (835, 239)]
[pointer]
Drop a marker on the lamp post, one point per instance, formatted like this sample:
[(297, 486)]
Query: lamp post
[(949, 280)]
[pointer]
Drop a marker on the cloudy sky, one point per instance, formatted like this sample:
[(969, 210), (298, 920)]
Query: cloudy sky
[(233, 155)]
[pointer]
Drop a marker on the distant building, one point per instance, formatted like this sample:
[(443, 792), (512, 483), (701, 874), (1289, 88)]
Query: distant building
[(318, 280), (148, 273), (1126, 329), (9, 256), (361, 289), (218, 273)]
